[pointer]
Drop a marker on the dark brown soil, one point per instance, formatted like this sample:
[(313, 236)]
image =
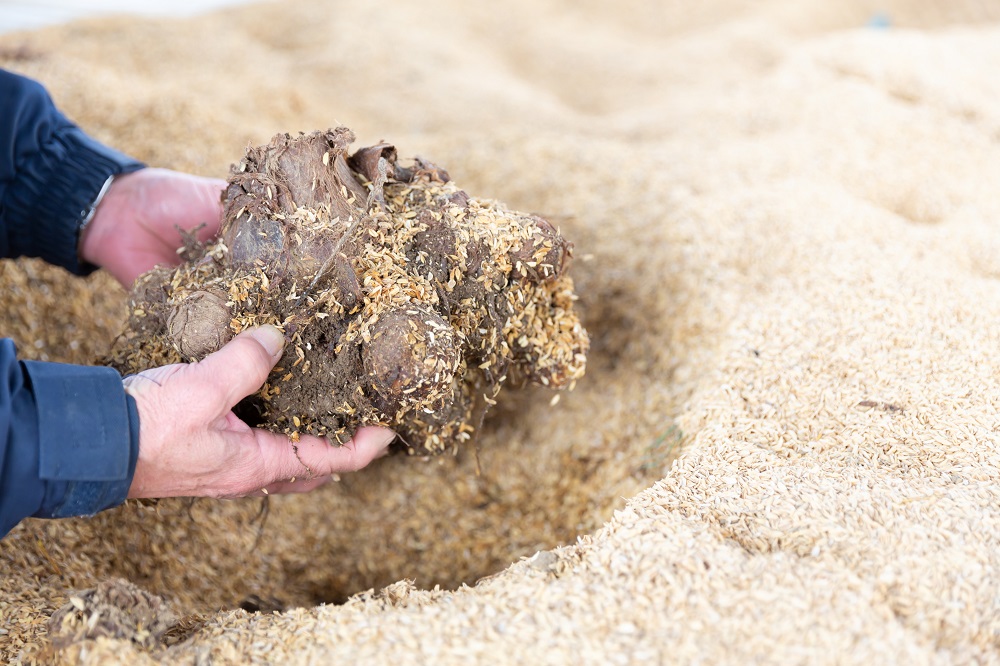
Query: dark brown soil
[(404, 301)]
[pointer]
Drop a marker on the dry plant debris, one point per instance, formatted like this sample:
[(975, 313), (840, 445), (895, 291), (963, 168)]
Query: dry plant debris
[(405, 302), (114, 609), (756, 278)]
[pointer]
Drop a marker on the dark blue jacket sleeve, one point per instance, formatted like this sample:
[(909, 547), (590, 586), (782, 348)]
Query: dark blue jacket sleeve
[(50, 173), (69, 439), (69, 435)]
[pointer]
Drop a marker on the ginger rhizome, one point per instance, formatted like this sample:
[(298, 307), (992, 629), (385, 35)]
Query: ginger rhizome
[(404, 302)]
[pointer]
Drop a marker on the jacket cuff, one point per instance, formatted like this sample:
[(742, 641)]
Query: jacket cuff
[(53, 198), (88, 437)]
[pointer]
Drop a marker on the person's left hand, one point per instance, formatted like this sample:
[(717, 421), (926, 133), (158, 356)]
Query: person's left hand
[(135, 225)]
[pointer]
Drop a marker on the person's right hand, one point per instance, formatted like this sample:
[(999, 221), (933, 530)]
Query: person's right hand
[(191, 444)]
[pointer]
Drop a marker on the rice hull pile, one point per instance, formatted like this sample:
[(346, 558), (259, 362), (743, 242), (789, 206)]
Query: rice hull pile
[(787, 264), (405, 302)]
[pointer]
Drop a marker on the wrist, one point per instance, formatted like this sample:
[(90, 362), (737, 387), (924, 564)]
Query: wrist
[(83, 227), (48, 196), (100, 234)]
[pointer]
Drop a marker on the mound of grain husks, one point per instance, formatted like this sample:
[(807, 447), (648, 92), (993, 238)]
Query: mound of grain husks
[(787, 263)]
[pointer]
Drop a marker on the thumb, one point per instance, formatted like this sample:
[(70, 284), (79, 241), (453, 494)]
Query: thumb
[(240, 367)]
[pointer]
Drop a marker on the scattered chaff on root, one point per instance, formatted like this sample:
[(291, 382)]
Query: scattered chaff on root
[(404, 301)]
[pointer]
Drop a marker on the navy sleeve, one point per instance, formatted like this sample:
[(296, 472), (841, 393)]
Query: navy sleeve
[(50, 174), (69, 439), (69, 435)]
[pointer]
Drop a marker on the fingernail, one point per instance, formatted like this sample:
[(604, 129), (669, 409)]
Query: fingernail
[(387, 436), (270, 338), (376, 437)]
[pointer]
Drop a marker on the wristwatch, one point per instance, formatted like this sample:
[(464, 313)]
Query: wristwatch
[(87, 214)]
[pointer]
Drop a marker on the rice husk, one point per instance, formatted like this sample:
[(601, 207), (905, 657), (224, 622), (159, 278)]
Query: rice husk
[(787, 265)]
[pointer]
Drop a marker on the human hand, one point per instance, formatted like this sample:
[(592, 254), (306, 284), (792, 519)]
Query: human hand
[(192, 445), (135, 225)]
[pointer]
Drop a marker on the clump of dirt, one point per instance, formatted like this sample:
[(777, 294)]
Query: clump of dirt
[(114, 609), (405, 302)]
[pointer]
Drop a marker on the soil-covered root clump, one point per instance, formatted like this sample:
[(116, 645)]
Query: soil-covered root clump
[(404, 301)]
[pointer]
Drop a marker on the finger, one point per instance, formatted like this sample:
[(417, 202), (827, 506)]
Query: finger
[(315, 456), (188, 199), (225, 377), (375, 436), (295, 486)]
